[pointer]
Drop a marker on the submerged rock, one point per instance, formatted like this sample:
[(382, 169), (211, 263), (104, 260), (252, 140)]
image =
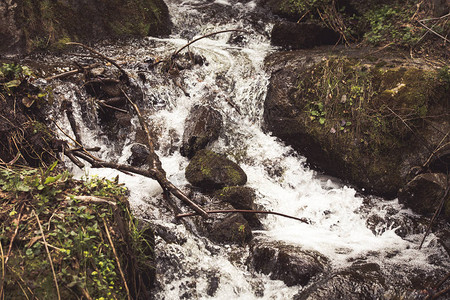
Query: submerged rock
[(288, 263), (362, 281), (211, 171), (347, 114), (424, 193), (202, 127), (225, 228), (240, 197)]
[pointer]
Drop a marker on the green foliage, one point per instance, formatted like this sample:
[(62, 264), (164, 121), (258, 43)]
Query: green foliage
[(75, 232), (391, 22), (302, 6)]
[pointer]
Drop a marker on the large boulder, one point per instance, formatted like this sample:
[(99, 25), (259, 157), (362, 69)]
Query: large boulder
[(212, 171), (368, 121), (202, 127), (224, 228), (424, 193), (288, 263), (360, 281), (33, 24)]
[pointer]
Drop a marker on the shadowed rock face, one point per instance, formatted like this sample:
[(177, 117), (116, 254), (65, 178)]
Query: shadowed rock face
[(34, 24), (354, 128), (211, 171), (291, 36), (424, 192), (287, 263), (202, 127)]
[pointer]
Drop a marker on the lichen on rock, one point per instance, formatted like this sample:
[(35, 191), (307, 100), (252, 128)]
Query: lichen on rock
[(367, 121), (212, 171)]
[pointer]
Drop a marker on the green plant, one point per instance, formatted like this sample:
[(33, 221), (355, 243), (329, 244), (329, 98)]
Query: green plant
[(77, 232), (317, 112)]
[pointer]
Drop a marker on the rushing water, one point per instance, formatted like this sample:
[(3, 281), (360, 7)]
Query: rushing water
[(233, 81)]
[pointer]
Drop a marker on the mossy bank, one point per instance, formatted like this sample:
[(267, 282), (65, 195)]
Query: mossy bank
[(35, 25), (368, 120)]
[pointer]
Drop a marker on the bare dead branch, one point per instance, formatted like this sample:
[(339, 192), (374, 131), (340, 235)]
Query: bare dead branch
[(117, 259), (49, 256), (127, 79), (245, 211), (72, 72), (436, 214), (205, 36)]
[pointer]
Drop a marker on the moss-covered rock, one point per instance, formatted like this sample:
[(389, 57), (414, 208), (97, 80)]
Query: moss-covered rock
[(288, 263), (32, 24), (212, 171), (240, 197), (202, 127), (368, 121)]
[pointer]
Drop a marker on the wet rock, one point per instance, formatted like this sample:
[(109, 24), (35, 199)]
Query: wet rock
[(374, 151), (139, 155), (211, 171), (240, 197), (291, 36), (225, 228), (362, 281), (288, 263), (424, 193), (202, 127), (59, 21)]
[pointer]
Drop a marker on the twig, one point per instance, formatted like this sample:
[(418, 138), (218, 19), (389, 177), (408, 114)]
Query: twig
[(13, 236), (48, 253), (441, 293), (23, 281), (436, 213), (3, 271), (244, 211), (73, 72), (155, 161), (156, 167), (442, 281), (101, 103), (438, 147), (432, 31), (425, 143), (90, 199), (205, 36), (104, 57), (117, 259), (152, 173)]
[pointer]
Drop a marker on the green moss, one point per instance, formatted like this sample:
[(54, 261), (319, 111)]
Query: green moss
[(82, 255), (46, 24), (354, 111)]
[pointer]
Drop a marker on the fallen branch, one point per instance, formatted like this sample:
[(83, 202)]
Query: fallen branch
[(432, 31), (3, 271), (125, 75), (49, 256), (436, 214), (90, 199), (103, 104), (151, 173), (117, 259), (205, 36), (244, 211), (72, 72)]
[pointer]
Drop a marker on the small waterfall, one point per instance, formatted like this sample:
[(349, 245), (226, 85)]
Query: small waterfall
[(232, 80)]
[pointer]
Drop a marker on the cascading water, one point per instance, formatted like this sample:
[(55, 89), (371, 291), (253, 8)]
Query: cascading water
[(233, 81)]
